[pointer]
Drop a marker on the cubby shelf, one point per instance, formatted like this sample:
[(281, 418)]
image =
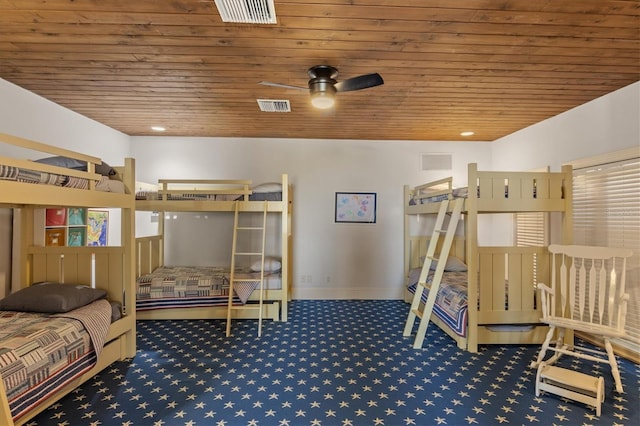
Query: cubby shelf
[(66, 226)]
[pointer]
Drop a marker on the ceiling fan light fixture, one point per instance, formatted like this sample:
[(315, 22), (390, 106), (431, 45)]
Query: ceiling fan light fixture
[(323, 100)]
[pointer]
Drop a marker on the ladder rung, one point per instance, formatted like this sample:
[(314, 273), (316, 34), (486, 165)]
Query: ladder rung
[(249, 254), (417, 313), (425, 285), (440, 231), (245, 280), (433, 258), (260, 228), (240, 307)]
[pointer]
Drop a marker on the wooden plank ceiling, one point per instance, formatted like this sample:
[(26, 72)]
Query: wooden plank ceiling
[(488, 66)]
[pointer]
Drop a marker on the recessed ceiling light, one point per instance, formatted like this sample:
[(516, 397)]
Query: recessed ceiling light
[(158, 128), (466, 134)]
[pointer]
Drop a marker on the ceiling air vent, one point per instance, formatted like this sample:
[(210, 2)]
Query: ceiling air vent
[(274, 105), (247, 11)]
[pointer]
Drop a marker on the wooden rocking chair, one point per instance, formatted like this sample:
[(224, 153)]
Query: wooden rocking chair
[(587, 294)]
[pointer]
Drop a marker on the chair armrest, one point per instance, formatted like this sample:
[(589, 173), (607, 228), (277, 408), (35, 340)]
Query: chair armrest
[(545, 288)]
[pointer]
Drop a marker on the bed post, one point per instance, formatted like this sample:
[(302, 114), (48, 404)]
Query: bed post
[(286, 250), (471, 230), (567, 214), (407, 242), (5, 411), (24, 239), (128, 239)]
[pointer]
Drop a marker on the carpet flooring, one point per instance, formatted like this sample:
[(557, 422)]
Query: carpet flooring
[(341, 363)]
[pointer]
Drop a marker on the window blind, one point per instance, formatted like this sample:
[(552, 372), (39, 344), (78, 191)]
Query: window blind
[(531, 231), (606, 212)]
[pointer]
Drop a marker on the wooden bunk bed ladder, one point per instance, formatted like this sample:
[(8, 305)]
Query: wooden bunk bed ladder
[(439, 231), (235, 254)]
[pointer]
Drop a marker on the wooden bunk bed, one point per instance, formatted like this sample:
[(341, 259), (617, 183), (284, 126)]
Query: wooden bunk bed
[(500, 279), (215, 196), (110, 269)]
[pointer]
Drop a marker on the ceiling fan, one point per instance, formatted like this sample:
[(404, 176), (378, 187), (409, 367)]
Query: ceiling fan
[(323, 84)]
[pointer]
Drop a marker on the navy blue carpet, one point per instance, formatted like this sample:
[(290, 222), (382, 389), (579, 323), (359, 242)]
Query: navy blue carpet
[(341, 363)]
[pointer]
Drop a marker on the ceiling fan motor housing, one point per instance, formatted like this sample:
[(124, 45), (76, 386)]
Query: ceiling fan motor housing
[(323, 79)]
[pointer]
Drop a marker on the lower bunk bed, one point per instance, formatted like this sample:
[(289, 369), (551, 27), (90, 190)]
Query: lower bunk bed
[(506, 310), (196, 292), (63, 330)]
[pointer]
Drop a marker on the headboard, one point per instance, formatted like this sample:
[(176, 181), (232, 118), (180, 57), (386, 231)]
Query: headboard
[(149, 254), (99, 267)]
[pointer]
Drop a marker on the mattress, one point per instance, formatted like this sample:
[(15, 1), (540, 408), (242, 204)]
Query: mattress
[(40, 353), (451, 304), (155, 195), (17, 174), (423, 199), (195, 286)]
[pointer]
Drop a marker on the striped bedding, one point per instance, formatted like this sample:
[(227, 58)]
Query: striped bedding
[(33, 176), (154, 195), (40, 353), (187, 287), (451, 302)]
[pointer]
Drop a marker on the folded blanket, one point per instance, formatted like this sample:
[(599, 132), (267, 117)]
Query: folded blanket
[(96, 318)]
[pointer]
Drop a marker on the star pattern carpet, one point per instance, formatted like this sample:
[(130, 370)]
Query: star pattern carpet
[(340, 362)]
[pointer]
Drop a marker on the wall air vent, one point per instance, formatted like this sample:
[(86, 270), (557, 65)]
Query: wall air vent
[(436, 162), (274, 105), (247, 11)]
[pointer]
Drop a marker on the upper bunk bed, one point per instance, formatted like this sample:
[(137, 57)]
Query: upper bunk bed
[(64, 275), (494, 192), (500, 278), (211, 195), (49, 182)]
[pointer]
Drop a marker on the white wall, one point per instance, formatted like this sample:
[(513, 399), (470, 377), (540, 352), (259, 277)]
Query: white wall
[(342, 260), (607, 124), (25, 114)]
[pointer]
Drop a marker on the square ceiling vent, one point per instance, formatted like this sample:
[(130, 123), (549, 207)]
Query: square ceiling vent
[(274, 105), (247, 11)]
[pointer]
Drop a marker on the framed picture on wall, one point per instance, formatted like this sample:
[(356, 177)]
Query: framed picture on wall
[(97, 227), (355, 207)]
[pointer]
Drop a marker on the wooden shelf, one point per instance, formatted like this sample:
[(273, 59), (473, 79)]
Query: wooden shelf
[(66, 226)]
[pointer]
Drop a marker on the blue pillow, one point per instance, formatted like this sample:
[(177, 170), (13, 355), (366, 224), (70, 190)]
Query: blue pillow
[(71, 163)]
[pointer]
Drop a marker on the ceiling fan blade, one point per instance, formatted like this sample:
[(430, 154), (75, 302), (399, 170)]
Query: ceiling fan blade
[(360, 82), (285, 86)]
